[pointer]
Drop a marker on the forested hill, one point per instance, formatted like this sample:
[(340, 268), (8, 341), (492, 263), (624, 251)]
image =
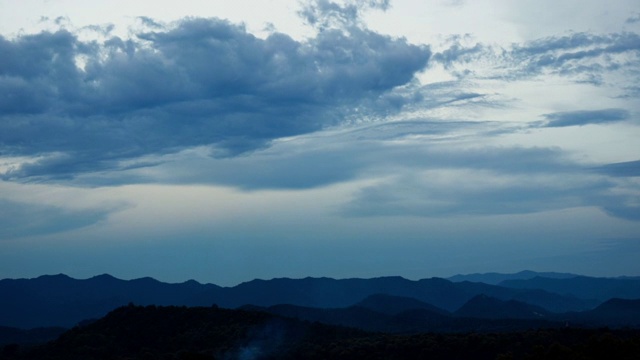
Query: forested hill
[(151, 332)]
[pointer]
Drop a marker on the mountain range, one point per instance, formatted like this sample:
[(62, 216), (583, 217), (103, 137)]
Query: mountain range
[(388, 304)]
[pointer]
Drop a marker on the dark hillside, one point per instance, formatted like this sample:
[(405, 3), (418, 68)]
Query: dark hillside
[(10, 335), (409, 321), (151, 332), (393, 305), (615, 312), (137, 332), (485, 307)]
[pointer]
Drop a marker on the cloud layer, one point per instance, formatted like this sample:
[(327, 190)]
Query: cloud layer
[(179, 102)]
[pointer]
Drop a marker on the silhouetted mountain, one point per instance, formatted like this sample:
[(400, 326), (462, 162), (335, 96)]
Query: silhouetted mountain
[(624, 307), (393, 305), (548, 300), (58, 300), (62, 301), (493, 278), (486, 307), (583, 287), (614, 312), (331, 293)]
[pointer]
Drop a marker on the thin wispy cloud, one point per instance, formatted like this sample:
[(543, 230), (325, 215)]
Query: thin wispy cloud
[(45, 219), (585, 117), (582, 56)]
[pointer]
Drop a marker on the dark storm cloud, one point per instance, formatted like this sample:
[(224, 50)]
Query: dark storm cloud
[(85, 106), (585, 117), (43, 219)]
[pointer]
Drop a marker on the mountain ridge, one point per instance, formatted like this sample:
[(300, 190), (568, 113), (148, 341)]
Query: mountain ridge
[(486, 307), (582, 286), (494, 278), (59, 300)]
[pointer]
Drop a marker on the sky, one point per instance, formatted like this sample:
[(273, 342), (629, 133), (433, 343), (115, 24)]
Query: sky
[(225, 141)]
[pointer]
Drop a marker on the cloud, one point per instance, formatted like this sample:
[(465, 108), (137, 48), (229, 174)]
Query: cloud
[(621, 207), (472, 192), (458, 52), (633, 19), (479, 181), (431, 177), (464, 192), (621, 169), (43, 219), (585, 117), (583, 56), (335, 156), (413, 168), (84, 106), (575, 54), (326, 14), (203, 101)]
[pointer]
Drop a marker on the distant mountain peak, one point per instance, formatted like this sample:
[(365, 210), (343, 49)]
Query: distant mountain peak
[(147, 279), (191, 282), (495, 278)]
